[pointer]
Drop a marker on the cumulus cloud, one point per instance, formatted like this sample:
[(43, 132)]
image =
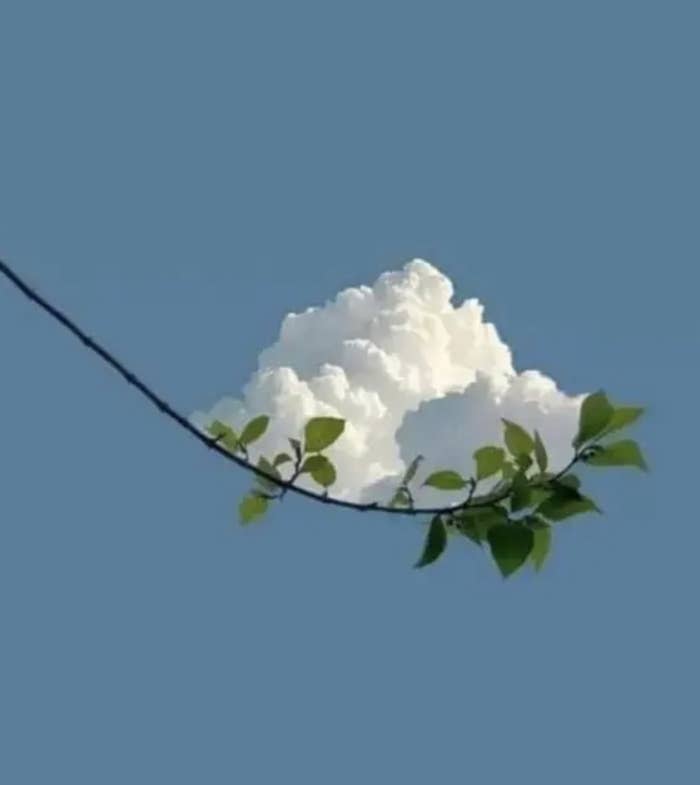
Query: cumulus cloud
[(409, 371)]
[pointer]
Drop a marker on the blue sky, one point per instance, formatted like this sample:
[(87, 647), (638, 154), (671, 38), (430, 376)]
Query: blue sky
[(180, 176)]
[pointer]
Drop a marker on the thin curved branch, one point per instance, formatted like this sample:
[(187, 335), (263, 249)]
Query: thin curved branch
[(177, 417)]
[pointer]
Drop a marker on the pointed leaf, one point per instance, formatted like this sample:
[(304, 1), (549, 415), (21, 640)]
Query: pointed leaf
[(541, 546), (412, 469), (569, 481), (265, 466), (475, 522), (508, 470), (255, 429), (560, 506), (538, 495), (510, 546), (540, 453), (252, 507), (296, 447), (622, 417), (517, 439), (321, 432), (596, 413), (520, 493), (280, 458), (446, 480), (321, 469), (400, 499), (224, 434), (524, 462), (489, 461), (624, 453), (435, 542)]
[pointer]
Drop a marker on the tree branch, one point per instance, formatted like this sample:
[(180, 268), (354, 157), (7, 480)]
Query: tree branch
[(179, 419)]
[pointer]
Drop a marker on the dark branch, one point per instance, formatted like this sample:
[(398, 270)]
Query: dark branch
[(165, 408)]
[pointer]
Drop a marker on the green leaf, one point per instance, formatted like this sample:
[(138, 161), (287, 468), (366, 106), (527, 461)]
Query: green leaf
[(400, 499), (321, 432), (622, 417), (624, 453), (569, 481), (541, 546), (255, 429), (435, 542), (252, 507), (218, 428), (535, 522), (296, 446), (224, 435), (446, 480), (508, 470), (510, 546), (538, 495), (540, 453), (596, 413), (321, 469), (520, 493), (518, 440), (475, 522), (280, 458), (524, 462), (561, 505), (412, 469), (267, 467), (489, 461)]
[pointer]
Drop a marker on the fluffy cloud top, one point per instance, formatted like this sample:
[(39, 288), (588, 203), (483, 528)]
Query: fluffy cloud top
[(410, 373)]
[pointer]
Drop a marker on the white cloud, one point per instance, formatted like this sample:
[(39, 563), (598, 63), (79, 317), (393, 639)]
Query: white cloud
[(409, 371)]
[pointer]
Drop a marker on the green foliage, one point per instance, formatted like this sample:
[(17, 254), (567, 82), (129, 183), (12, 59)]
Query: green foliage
[(265, 466), (596, 413), (624, 453), (622, 417), (412, 469), (475, 522), (515, 517), (401, 498), (296, 447), (511, 544), (508, 470), (541, 546), (224, 435), (489, 461), (435, 542), (561, 505), (540, 453), (517, 439), (446, 480), (521, 493), (321, 469), (321, 432), (538, 494), (568, 481), (254, 429), (252, 507)]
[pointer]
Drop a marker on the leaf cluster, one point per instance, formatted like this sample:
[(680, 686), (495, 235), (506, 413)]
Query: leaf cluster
[(306, 458), (514, 518)]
